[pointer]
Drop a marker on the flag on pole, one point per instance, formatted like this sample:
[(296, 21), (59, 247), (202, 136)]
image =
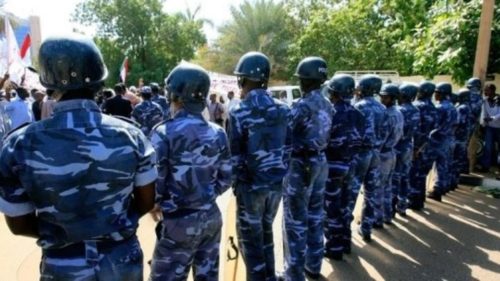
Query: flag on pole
[(124, 70), (25, 51), (14, 64)]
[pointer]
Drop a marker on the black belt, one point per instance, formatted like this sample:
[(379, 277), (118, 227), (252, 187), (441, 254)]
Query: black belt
[(78, 249), (306, 153)]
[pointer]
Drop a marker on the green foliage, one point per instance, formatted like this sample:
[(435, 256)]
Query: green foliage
[(153, 40), (261, 25), (447, 45)]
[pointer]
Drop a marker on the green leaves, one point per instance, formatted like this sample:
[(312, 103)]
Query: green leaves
[(153, 40)]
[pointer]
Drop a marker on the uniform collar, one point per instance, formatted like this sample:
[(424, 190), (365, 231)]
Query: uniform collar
[(256, 92), (70, 105), (311, 93), (182, 113)]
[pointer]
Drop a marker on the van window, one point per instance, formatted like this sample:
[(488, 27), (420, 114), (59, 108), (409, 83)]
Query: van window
[(275, 94), (296, 94)]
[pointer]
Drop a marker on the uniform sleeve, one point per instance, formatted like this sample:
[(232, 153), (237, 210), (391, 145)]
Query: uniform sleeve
[(146, 169), (162, 151), (288, 139), (14, 201), (224, 172), (238, 142)]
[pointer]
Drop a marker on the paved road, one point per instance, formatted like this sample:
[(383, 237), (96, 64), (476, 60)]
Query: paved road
[(458, 239)]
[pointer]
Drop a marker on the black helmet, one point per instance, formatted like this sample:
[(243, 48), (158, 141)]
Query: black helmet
[(426, 89), (254, 66), (369, 85), (341, 84), (474, 84), (390, 90), (463, 95), (444, 89), (146, 92), (155, 88), (190, 83), (408, 91), (312, 68), (70, 63)]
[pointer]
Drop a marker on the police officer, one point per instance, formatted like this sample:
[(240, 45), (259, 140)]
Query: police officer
[(305, 182), (345, 141), (405, 146), (441, 138), (194, 166), (160, 100), (260, 138), (367, 170), (92, 176), (475, 101), (462, 133), (147, 113), (395, 123), (424, 155)]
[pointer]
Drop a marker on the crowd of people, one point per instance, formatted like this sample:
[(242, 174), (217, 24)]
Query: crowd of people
[(80, 163)]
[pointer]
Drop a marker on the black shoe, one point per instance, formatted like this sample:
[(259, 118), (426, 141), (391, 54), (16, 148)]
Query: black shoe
[(388, 222), (333, 255), (280, 276), (453, 187), (347, 248), (378, 226), (401, 213), (366, 237), (310, 275), (434, 195)]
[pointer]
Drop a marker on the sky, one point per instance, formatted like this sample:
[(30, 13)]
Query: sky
[(55, 14)]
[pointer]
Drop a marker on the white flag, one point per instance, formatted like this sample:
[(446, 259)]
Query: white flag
[(15, 65)]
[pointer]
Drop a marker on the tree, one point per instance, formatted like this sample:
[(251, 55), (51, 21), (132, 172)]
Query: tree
[(153, 40), (447, 44), (260, 25)]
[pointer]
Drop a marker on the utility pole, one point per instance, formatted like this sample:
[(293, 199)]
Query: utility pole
[(484, 39)]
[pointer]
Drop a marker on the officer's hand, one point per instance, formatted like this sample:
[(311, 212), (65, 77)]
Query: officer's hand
[(487, 119), (156, 213)]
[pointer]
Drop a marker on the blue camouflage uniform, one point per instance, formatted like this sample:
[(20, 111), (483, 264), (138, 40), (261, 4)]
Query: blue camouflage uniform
[(260, 140), (147, 114), (441, 139), (345, 141), (476, 105), (404, 157), (424, 152), (383, 207), (83, 201), (194, 166), (305, 185), (463, 130), (163, 103), (367, 166)]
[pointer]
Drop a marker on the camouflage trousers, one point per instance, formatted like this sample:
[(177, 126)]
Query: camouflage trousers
[(367, 172), (188, 240), (401, 177), (337, 194), (303, 210), (421, 166), (256, 211), (460, 162), (384, 192), (122, 262), (443, 166)]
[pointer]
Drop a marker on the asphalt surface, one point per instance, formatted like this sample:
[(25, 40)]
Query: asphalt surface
[(457, 239)]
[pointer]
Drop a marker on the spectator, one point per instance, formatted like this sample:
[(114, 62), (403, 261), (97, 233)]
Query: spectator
[(118, 105), (490, 121), (18, 110), (216, 110), (36, 106)]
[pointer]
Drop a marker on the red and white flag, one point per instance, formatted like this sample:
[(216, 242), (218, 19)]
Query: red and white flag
[(14, 64), (25, 51), (124, 70)]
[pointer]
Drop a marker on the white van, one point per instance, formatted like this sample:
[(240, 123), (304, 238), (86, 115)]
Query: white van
[(290, 92)]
